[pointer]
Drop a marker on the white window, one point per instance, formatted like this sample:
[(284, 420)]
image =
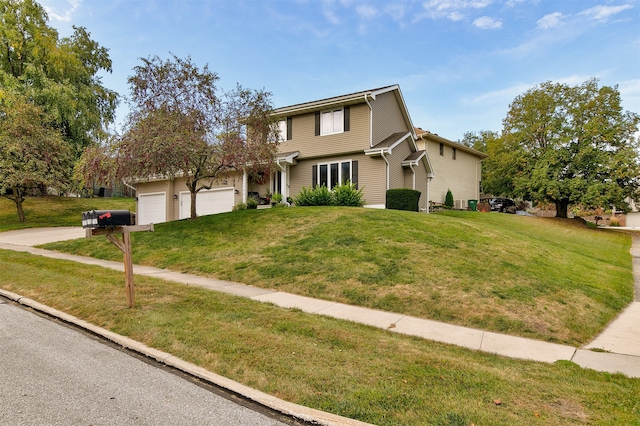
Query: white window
[(332, 122), (334, 174), (282, 127)]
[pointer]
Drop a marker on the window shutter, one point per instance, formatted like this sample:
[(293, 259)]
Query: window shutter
[(289, 128), (347, 119), (314, 176), (317, 124), (354, 173)]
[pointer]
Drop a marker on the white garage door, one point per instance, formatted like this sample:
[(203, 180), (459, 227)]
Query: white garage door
[(210, 201), (152, 208)]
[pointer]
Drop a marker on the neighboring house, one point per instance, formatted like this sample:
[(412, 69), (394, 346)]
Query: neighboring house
[(366, 138), (456, 167)]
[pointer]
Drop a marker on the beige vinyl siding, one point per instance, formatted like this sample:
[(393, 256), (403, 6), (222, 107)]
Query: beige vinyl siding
[(461, 176), (371, 176), (387, 117), (396, 171), (308, 144)]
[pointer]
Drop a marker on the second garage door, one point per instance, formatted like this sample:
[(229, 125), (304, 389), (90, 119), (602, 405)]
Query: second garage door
[(207, 202)]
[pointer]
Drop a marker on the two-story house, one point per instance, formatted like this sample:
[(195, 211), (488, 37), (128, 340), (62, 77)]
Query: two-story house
[(366, 138)]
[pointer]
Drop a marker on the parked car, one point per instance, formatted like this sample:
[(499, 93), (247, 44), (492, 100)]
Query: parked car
[(501, 204)]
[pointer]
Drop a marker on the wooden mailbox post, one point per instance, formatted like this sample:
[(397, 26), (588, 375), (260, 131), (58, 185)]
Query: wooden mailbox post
[(111, 232)]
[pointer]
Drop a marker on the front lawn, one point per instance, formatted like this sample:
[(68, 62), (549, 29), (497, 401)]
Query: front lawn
[(352, 370), (56, 211), (549, 279)]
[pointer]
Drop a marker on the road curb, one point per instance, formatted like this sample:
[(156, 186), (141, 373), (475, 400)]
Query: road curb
[(286, 408)]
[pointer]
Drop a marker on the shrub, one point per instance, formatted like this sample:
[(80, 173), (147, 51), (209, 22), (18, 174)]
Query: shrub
[(347, 195), (341, 195), (252, 202), (276, 197), (403, 199), (448, 200), (240, 206)]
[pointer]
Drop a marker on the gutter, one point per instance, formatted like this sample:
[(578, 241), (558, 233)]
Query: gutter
[(366, 95)]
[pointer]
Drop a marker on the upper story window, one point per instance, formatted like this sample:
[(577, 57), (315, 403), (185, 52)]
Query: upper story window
[(285, 128), (334, 121), (442, 149), (453, 153)]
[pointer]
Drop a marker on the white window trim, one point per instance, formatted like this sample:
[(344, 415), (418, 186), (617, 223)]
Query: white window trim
[(339, 162), (332, 112)]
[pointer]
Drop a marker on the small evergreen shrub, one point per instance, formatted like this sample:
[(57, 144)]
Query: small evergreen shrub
[(403, 199), (448, 200)]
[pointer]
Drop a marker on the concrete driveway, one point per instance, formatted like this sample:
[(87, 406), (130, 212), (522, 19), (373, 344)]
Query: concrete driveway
[(36, 236)]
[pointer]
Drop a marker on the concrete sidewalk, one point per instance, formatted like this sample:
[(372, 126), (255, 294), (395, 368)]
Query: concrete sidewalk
[(618, 347)]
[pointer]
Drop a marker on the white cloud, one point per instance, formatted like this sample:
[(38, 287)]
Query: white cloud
[(498, 97), (551, 20), (396, 11), (329, 13), (487, 23), (601, 13), (366, 11), (64, 16), (452, 9)]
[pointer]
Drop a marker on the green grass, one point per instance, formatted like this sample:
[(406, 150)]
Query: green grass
[(549, 279), (56, 211), (344, 368)]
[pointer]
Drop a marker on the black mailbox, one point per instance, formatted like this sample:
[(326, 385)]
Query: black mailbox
[(107, 218)]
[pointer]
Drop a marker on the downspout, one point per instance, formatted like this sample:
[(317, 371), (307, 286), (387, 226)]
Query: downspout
[(370, 121), (386, 161), (429, 177), (414, 175), (478, 180)]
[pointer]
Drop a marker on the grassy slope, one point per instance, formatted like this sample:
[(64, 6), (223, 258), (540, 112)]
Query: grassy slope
[(543, 278), (352, 370), (56, 211)]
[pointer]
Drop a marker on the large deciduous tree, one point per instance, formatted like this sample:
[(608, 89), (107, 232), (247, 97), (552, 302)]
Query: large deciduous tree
[(33, 154), (566, 145), (180, 125), (59, 75)]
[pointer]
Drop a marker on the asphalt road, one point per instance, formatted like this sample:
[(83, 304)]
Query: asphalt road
[(51, 374)]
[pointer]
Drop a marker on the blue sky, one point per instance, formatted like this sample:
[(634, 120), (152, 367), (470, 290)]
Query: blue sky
[(459, 63)]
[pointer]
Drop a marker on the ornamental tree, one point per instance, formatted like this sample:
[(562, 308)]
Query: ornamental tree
[(565, 145), (33, 154), (180, 125)]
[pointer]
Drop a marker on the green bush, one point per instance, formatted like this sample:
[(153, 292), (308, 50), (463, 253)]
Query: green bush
[(240, 206), (448, 200), (342, 195), (347, 195), (403, 199)]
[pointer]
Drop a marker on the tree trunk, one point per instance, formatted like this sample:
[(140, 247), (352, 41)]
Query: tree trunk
[(561, 208), (193, 203), (18, 199)]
